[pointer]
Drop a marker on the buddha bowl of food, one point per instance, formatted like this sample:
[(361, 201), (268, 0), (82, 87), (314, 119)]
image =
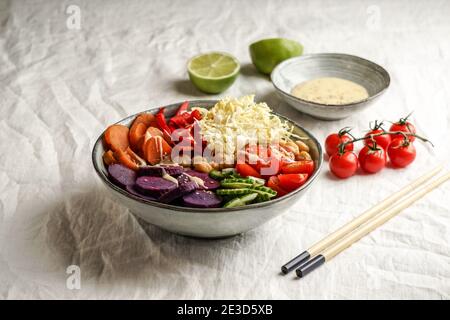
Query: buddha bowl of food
[(207, 168)]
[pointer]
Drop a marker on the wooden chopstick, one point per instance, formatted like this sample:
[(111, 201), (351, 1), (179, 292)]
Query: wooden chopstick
[(350, 226), (333, 250)]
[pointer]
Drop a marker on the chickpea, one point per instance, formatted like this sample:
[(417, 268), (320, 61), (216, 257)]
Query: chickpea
[(303, 155), (203, 167), (226, 165), (290, 146), (215, 165), (302, 146)]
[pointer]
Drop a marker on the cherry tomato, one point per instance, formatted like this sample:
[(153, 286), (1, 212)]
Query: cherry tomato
[(372, 159), (344, 165), (246, 170), (274, 184), (302, 166), (403, 125), (382, 141), (292, 181), (333, 141), (401, 152)]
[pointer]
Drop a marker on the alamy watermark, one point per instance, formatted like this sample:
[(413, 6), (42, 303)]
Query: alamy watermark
[(73, 21), (373, 22), (73, 281)]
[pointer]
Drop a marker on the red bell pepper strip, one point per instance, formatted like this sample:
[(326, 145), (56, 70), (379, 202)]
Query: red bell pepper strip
[(185, 119), (161, 120), (184, 106), (181, 121), (197, 115)]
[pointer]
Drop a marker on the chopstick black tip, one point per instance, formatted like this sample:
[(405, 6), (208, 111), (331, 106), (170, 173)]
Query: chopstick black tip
[(310, 265), (294, 263)]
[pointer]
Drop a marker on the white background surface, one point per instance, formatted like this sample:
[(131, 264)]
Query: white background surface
[(60, 88)]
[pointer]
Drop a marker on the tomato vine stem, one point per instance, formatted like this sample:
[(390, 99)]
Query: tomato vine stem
[(372, 136)]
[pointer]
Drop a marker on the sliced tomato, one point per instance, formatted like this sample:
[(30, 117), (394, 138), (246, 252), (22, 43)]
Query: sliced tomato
[(302, 166), (270, 168), (274, 184), (292, 181), (246, 170)]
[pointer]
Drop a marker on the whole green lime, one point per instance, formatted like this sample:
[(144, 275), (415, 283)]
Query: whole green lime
[(213, 72), (267, 53)]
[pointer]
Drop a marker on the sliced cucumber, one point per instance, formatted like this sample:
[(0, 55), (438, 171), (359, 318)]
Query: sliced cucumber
[(236, 202), (216, 174), (265, 190), (236, 183), (258, 181), (262, 197), (264, 193), (228, 172), (241, 201), (233, 192), (249, 197)]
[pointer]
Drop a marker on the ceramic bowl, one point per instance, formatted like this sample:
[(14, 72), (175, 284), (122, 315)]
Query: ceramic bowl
[(204, 223), (293, 71)]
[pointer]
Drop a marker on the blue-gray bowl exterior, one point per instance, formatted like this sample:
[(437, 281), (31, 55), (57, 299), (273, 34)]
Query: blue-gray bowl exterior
[(204, 223), (293, 71)]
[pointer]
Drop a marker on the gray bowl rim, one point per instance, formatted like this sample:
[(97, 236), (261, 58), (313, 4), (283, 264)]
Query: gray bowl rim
[(382, 70), (192, 103)]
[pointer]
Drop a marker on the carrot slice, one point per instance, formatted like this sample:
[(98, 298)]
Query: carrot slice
[(151, 151), (137, 131), (140, 145), (116, 137), (151, 132), (166, 148), (155, 149), (135, 157), (146, 118), (154, 132), (124, 158), (108, 158)]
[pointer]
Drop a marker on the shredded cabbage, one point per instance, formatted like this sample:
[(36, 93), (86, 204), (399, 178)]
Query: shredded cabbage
[(235, 122)]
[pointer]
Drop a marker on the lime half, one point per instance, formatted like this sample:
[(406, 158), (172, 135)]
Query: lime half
[(213, 72), (267, 53)]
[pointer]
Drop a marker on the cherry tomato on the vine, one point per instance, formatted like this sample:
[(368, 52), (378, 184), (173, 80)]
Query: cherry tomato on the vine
[(372, 159), (333, 141), (382, 140), (344, 165), (401, 152), (403, 125)]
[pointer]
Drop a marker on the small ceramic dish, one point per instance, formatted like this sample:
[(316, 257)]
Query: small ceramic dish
[(205, 223), (293, 71)]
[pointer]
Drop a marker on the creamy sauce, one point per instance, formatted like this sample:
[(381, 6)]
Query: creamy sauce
[(169, 178), (330, 90), (197, 180)]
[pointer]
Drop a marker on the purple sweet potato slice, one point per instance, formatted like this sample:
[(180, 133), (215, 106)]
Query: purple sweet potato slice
[(121, 175), (132, 189), (154, 186), (183, 189), (173, 170), (202, 199), (210, 183), (183, 178), (157, 171)]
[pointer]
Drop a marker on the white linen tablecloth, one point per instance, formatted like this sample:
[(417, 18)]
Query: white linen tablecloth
[(64, 80)]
